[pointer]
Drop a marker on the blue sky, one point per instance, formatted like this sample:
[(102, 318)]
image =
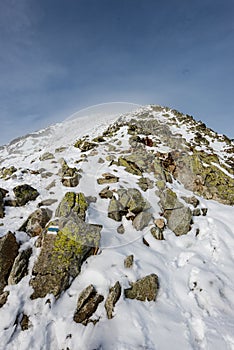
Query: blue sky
[(58, 56)]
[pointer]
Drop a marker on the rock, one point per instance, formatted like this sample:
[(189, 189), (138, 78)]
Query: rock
[(46, 156), (3, 298), (47, 202), (160, 223), (115, 210), (112, 298), (99, 139), (101, 161), (8, 252), (132, 200), (128, 262), (196, 212), (70, 181), (52, 184), (84, 145), (143, 289), (24, 323), (120, 229), (87, 304), (20, 266), (69, 176), (107, 178), (24, 194), (106, 193), (157, 233), (204, 211), (145, 183), (2, 211), (130, 166), (6, 173), (141, 220), (177, 214), (91, 199), (62, 255), (191, 200), (72, 203), (36, 222)]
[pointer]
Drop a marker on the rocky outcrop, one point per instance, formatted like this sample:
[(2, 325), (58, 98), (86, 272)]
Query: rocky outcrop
[(20, 266), (8, 252), (143, 289), (177, 214), (87, 304), (36, 222), (112, 298)]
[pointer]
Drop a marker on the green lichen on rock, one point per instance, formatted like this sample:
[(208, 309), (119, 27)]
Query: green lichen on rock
[(24, 194), (143, 289), (6, 173), (72, 203), (84, 145)]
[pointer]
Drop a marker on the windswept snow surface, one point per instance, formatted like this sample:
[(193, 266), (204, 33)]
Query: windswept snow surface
[(195, 304)]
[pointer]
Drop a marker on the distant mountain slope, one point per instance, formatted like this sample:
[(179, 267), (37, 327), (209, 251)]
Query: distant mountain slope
[(116, 232)]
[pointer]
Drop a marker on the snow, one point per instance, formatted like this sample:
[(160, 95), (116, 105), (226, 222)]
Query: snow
[(195, 306)]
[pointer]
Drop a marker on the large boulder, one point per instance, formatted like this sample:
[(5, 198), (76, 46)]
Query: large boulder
[(112, 298), (8, 252), (20, 266), (36, 222), (143, 289), (87, 304), (177, 214), (62, 255), (72, 203), (24, 194)]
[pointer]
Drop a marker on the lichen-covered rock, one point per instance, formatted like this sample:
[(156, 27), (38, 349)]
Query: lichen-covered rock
[(157, 233), (24, 194), (87, 304), (62, 255), (70, 181), (132, 200), (141, 220), (143, 289), (145, 183), (20, 266), (69, 176), (84, 145), (128, 262), (191, 200), (106, 193), (8, 252), (107, 178), (112, 298), (36, 222), (72, 203), (46, 156), (6, 173)]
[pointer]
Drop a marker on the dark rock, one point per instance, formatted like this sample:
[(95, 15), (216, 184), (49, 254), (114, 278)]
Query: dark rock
[(24, 323), (196, 212), (141, 220), (106, 193), (8, 252), (116, 210), (143, 289), (2, 211), (112, 298), (24, 194), (36, 222), (128, 262), (107, 178), (157, 233), (204, 211), (87, 304), (20, 266), (69, 176)]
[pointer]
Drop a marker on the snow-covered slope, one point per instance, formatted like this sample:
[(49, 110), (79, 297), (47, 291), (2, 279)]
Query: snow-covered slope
[(194, 307)]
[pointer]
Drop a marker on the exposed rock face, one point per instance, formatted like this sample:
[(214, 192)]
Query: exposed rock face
[(87, 304), (177, 214), (20, 266), (143, 289), (112, 298), (36, 222), (24, 194), (72, 203), (8, 252)]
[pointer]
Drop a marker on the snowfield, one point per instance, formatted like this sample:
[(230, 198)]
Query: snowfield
[(194, 308)]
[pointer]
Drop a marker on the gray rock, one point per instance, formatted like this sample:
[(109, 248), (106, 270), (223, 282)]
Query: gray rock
[(112, 298), (115, 210), (84, 145), (132, 200), (128, 262), (106, 193), (71, 181), (47, 202), (87, 304), (143, 289), (72, 203), (20, 266), (191, 200), (24, 194), (141, 220), (107, 178), (36, 222), (8, 252), (46, 156), (145, 183), (121, 229)]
